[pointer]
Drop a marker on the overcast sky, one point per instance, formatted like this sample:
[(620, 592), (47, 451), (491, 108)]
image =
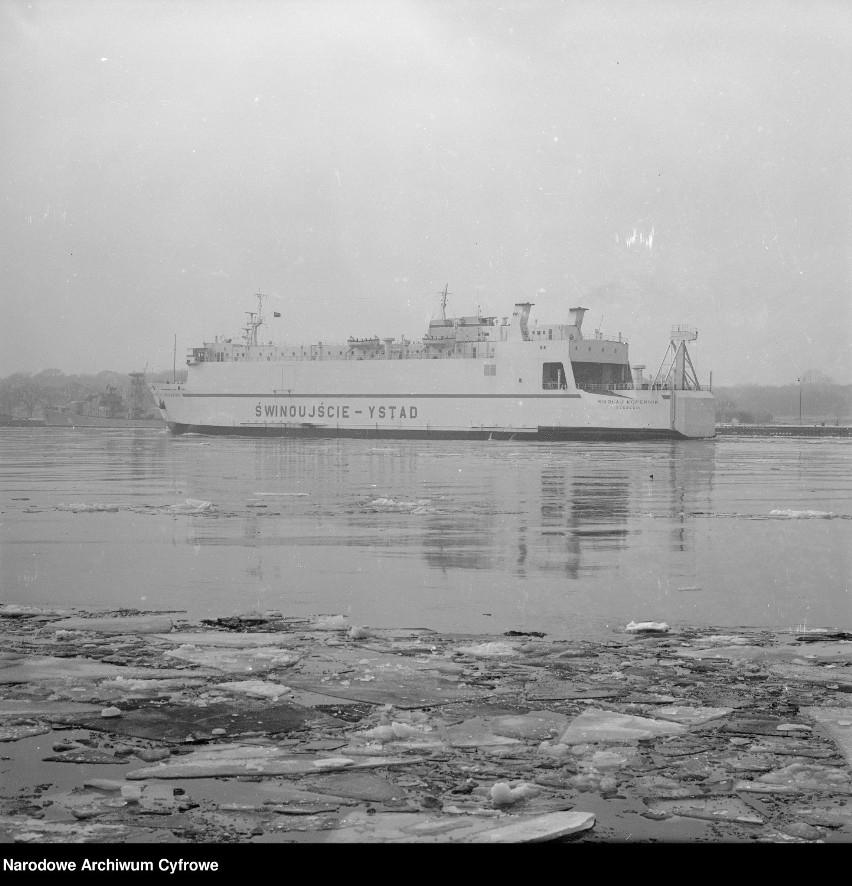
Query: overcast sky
[(655, 162)]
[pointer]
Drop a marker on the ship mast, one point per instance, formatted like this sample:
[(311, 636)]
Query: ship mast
[(255, 321)]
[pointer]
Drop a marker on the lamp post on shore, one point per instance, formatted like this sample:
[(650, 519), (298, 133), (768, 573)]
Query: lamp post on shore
[(801, 382)]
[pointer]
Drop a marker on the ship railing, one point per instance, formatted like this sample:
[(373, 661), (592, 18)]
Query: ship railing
[(310, 353), (600, 337), (667, 387), (630, 386), (609, 386)]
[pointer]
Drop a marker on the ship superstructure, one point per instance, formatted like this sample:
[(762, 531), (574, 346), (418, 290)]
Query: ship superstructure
[(470, 376)]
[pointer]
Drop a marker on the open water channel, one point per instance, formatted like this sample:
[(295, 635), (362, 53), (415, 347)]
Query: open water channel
[(571, 539)]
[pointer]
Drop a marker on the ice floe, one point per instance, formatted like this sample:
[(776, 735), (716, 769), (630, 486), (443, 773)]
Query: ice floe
[(256, 688), (494, 649), (503, 794), (650, 627), (599, 725), (189, 506), (131, 624), (82, 508), (791, 514), (241, 661), (389, 505)]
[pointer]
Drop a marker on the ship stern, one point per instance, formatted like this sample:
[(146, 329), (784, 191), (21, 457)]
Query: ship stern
[(694, 414)]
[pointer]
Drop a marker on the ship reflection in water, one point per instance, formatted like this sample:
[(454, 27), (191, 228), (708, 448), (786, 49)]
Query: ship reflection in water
[(570, 539), (580, 515)]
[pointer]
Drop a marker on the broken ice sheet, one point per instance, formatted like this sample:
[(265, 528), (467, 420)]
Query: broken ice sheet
[(130, 624), (389, 827), (539, 829), (690, 716), (814, 653), (809, 777), (223, 639), (101, 796), (272, 791), (73, 671), (85, 756), (831, 679), (381, 678), (330, 623), (478, 732), (838, 723), (83, 508), (534, 726), (405, 730), (56, 711), (189, 506), (404, 827), (129, 688), (389, 505), (370, 787), (15, 610), (612, 758), (647, 627), (237, 661), (661, 786), (494, 649), (394, 731), (175, 723), (235, 760), (255, 688), (729, 809), (505, 794), (600, 725), (792, 514), (749, 762), (31, 830), (16, 731), (549, 689)]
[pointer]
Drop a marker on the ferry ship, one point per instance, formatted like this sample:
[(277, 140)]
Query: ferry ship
[(471, 377)]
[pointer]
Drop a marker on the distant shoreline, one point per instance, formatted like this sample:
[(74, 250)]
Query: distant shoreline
[(821, 430)]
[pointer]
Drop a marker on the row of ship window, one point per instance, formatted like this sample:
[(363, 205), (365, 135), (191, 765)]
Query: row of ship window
[(219, 357)]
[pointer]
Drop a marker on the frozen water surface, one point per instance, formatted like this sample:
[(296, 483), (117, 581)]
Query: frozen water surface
[(573, 539)]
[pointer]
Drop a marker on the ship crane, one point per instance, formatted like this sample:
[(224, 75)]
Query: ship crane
[(676, 371)]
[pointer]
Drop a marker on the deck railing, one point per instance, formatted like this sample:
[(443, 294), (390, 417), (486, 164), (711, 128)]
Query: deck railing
[(619, 339), (630, 386)]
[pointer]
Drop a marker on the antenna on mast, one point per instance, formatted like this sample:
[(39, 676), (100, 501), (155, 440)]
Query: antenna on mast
[(255, 320)]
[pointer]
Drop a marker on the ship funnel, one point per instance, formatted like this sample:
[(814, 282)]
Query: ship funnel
[(520, 316), (575, 317)]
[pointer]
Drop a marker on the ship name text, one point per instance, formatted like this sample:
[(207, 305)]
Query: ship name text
[(627, 403), (333, 411)]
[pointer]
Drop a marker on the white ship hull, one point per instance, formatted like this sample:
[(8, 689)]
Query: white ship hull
[(499, 397)]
